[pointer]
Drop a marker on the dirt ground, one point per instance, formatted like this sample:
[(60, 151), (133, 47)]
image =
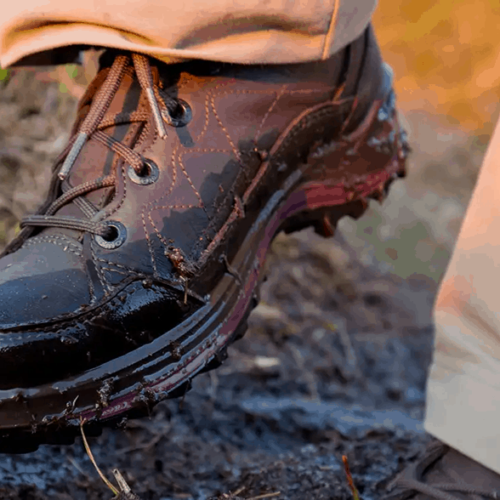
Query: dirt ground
[(334, 362)]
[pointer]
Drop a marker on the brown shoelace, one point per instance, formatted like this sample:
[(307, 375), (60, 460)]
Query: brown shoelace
[(163, 110)]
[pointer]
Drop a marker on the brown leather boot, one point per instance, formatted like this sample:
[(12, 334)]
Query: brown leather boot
[(442, 473), (144, 262)]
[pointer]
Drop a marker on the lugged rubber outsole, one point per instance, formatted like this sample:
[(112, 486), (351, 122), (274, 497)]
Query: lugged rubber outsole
[(323, 221)]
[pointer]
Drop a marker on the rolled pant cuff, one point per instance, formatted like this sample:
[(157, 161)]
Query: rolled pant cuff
[(250, 32), (463, 412)]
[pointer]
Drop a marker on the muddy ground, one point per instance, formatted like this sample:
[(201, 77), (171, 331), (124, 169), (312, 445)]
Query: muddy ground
[(334, 362)]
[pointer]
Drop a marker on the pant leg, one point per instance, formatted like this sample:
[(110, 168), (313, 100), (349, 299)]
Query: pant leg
[(463, 395), (242, 31)]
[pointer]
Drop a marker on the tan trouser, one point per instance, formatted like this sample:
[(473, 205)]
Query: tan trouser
[(244, 31), (463, 405), (463, 401)]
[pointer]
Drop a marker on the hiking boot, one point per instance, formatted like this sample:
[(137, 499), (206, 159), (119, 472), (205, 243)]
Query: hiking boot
[(144, 262), (442, 473)]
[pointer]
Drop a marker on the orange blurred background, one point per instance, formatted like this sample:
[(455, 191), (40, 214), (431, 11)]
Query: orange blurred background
[(446, 58)]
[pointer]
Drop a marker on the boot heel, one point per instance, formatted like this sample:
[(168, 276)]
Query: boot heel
[(324, 220), (343, 175)]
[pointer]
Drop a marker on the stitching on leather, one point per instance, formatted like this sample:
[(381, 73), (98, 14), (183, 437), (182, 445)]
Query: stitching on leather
[(268, 112), (209, 100), (206, 238), (162, 239), (142, 105), (211, 97), (149, 207), (102, 278), (153, 140), (99, 312), (95, 259), (126, 270), (115, 264), (209, 150), (50, 238), (142, 140), (270, 92), (124, 195), (150, 248), (172, 185), (183, 168), (154, 204), (109, 269), (100, 275), (105, 192), (92, 293), (176, 207), (221, 125), (307, 118), (306, 121), (225, 91), (157, 232), (65, 245), (234, 215), (207, 118)]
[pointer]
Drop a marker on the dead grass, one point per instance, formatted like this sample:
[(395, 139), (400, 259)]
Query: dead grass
[(123, 492), (350, 481)]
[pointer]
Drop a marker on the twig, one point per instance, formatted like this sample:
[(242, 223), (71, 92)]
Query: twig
[(124, 487), (354, 491), (240, 490), (125, 491), (266, 495), (91, 456)]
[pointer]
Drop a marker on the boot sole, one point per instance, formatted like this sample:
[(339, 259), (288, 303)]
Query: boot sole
[(131, 385)]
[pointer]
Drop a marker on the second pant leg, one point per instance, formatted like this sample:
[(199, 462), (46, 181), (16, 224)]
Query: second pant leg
[(463, 401)]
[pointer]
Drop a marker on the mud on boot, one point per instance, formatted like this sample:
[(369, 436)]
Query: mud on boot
[(140, 267)]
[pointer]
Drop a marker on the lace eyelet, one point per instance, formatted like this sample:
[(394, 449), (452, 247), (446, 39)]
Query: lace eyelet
[(116, 239), (182, 119), (152, 172)]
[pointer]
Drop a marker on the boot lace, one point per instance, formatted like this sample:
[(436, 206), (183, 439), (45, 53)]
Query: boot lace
[(164, 109)]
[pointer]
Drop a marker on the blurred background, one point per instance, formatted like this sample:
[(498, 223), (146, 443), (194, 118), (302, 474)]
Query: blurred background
[(446, 60)]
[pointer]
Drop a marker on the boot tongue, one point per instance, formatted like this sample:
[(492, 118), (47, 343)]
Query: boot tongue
[(96, 160)]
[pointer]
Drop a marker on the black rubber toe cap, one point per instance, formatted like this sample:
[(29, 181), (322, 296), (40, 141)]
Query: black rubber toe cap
[(49, 330)]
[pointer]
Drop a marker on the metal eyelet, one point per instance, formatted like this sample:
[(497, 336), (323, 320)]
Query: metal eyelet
[(182, 119), (150, 175), (117, 238)]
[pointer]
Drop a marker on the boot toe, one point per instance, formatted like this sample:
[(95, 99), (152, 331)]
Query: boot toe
[(50, 328), (39, 283)]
